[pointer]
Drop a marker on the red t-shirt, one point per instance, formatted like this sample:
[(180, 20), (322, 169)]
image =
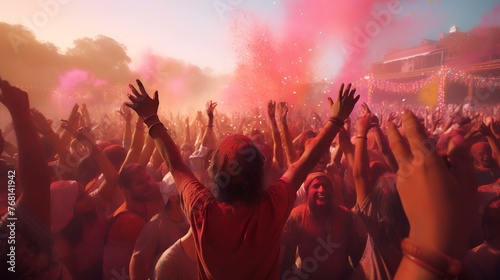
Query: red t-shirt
[(237, 241)]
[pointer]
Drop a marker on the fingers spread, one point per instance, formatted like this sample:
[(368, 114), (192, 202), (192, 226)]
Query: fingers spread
[(131, 105), (141, 87), (155, 96), (134, 91), (132, 98)]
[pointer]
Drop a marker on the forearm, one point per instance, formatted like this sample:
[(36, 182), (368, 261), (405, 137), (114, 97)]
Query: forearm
[(109, 187), (290, 153), (298, 171), (209, 136), (170, 154), (127, 135), (277, 145), (137, 145), (361, 170), (32, 167), (147, 151)]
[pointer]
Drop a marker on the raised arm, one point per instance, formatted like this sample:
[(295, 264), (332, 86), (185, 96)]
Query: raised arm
[(361, 167), (340, 110), (134, 153), (208, 139), (277, 146), (33, 171), (290, 152), (147, 109), (439, 200), (127, 134)]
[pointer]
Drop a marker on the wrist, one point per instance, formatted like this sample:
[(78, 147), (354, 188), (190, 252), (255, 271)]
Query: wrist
[(150, 120), (155, 128), (337, 121), (433, 261)]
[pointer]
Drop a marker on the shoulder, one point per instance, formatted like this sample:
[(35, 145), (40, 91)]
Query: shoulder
[(126, 226)]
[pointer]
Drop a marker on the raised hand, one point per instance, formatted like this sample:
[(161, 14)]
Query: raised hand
[(142, 104), (392, 117), (283, 110), (42, 124), (438, 200), (210, 109), (271, 109), (345, 102), (126, 113), (485, 130), (15, 99)]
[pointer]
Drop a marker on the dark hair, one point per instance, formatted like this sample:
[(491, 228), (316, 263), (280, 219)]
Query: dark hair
[(128, 174), (236, 169), (87, 170), (388, 210), (116, 154)]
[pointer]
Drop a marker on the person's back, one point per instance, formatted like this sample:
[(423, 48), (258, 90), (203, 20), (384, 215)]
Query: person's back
[(234, 237)]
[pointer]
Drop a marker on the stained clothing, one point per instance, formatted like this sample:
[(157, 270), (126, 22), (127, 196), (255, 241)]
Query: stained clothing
[(323, 248), (239, 241)]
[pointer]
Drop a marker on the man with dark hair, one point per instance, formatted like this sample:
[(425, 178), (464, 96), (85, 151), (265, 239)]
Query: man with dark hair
[(138, 188), (254, 217)]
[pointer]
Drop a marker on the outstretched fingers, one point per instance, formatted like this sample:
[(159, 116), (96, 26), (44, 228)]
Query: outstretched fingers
[(134, 91)]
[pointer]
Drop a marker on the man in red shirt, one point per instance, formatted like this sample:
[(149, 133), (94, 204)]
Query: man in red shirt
[(237, 223)]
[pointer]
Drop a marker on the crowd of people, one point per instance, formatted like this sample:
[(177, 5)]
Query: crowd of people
[(381, 193)]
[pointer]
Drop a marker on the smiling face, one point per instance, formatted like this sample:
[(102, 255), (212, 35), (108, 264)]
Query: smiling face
[(320, 192), (482, 155)]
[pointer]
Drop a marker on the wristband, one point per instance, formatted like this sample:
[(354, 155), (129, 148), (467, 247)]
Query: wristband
[(435, 262), (154, 124), (47, 133), (362, 137), (338, 121), (149, 117)]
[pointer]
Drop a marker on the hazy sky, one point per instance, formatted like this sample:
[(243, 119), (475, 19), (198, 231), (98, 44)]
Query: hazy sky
[(195, 31)]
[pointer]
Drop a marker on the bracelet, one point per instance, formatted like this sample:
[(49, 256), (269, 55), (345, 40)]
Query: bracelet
[(149, 117), (47, 133), (210, 125), (338, 121), (362, 137), (151, 126), (435, 262)]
